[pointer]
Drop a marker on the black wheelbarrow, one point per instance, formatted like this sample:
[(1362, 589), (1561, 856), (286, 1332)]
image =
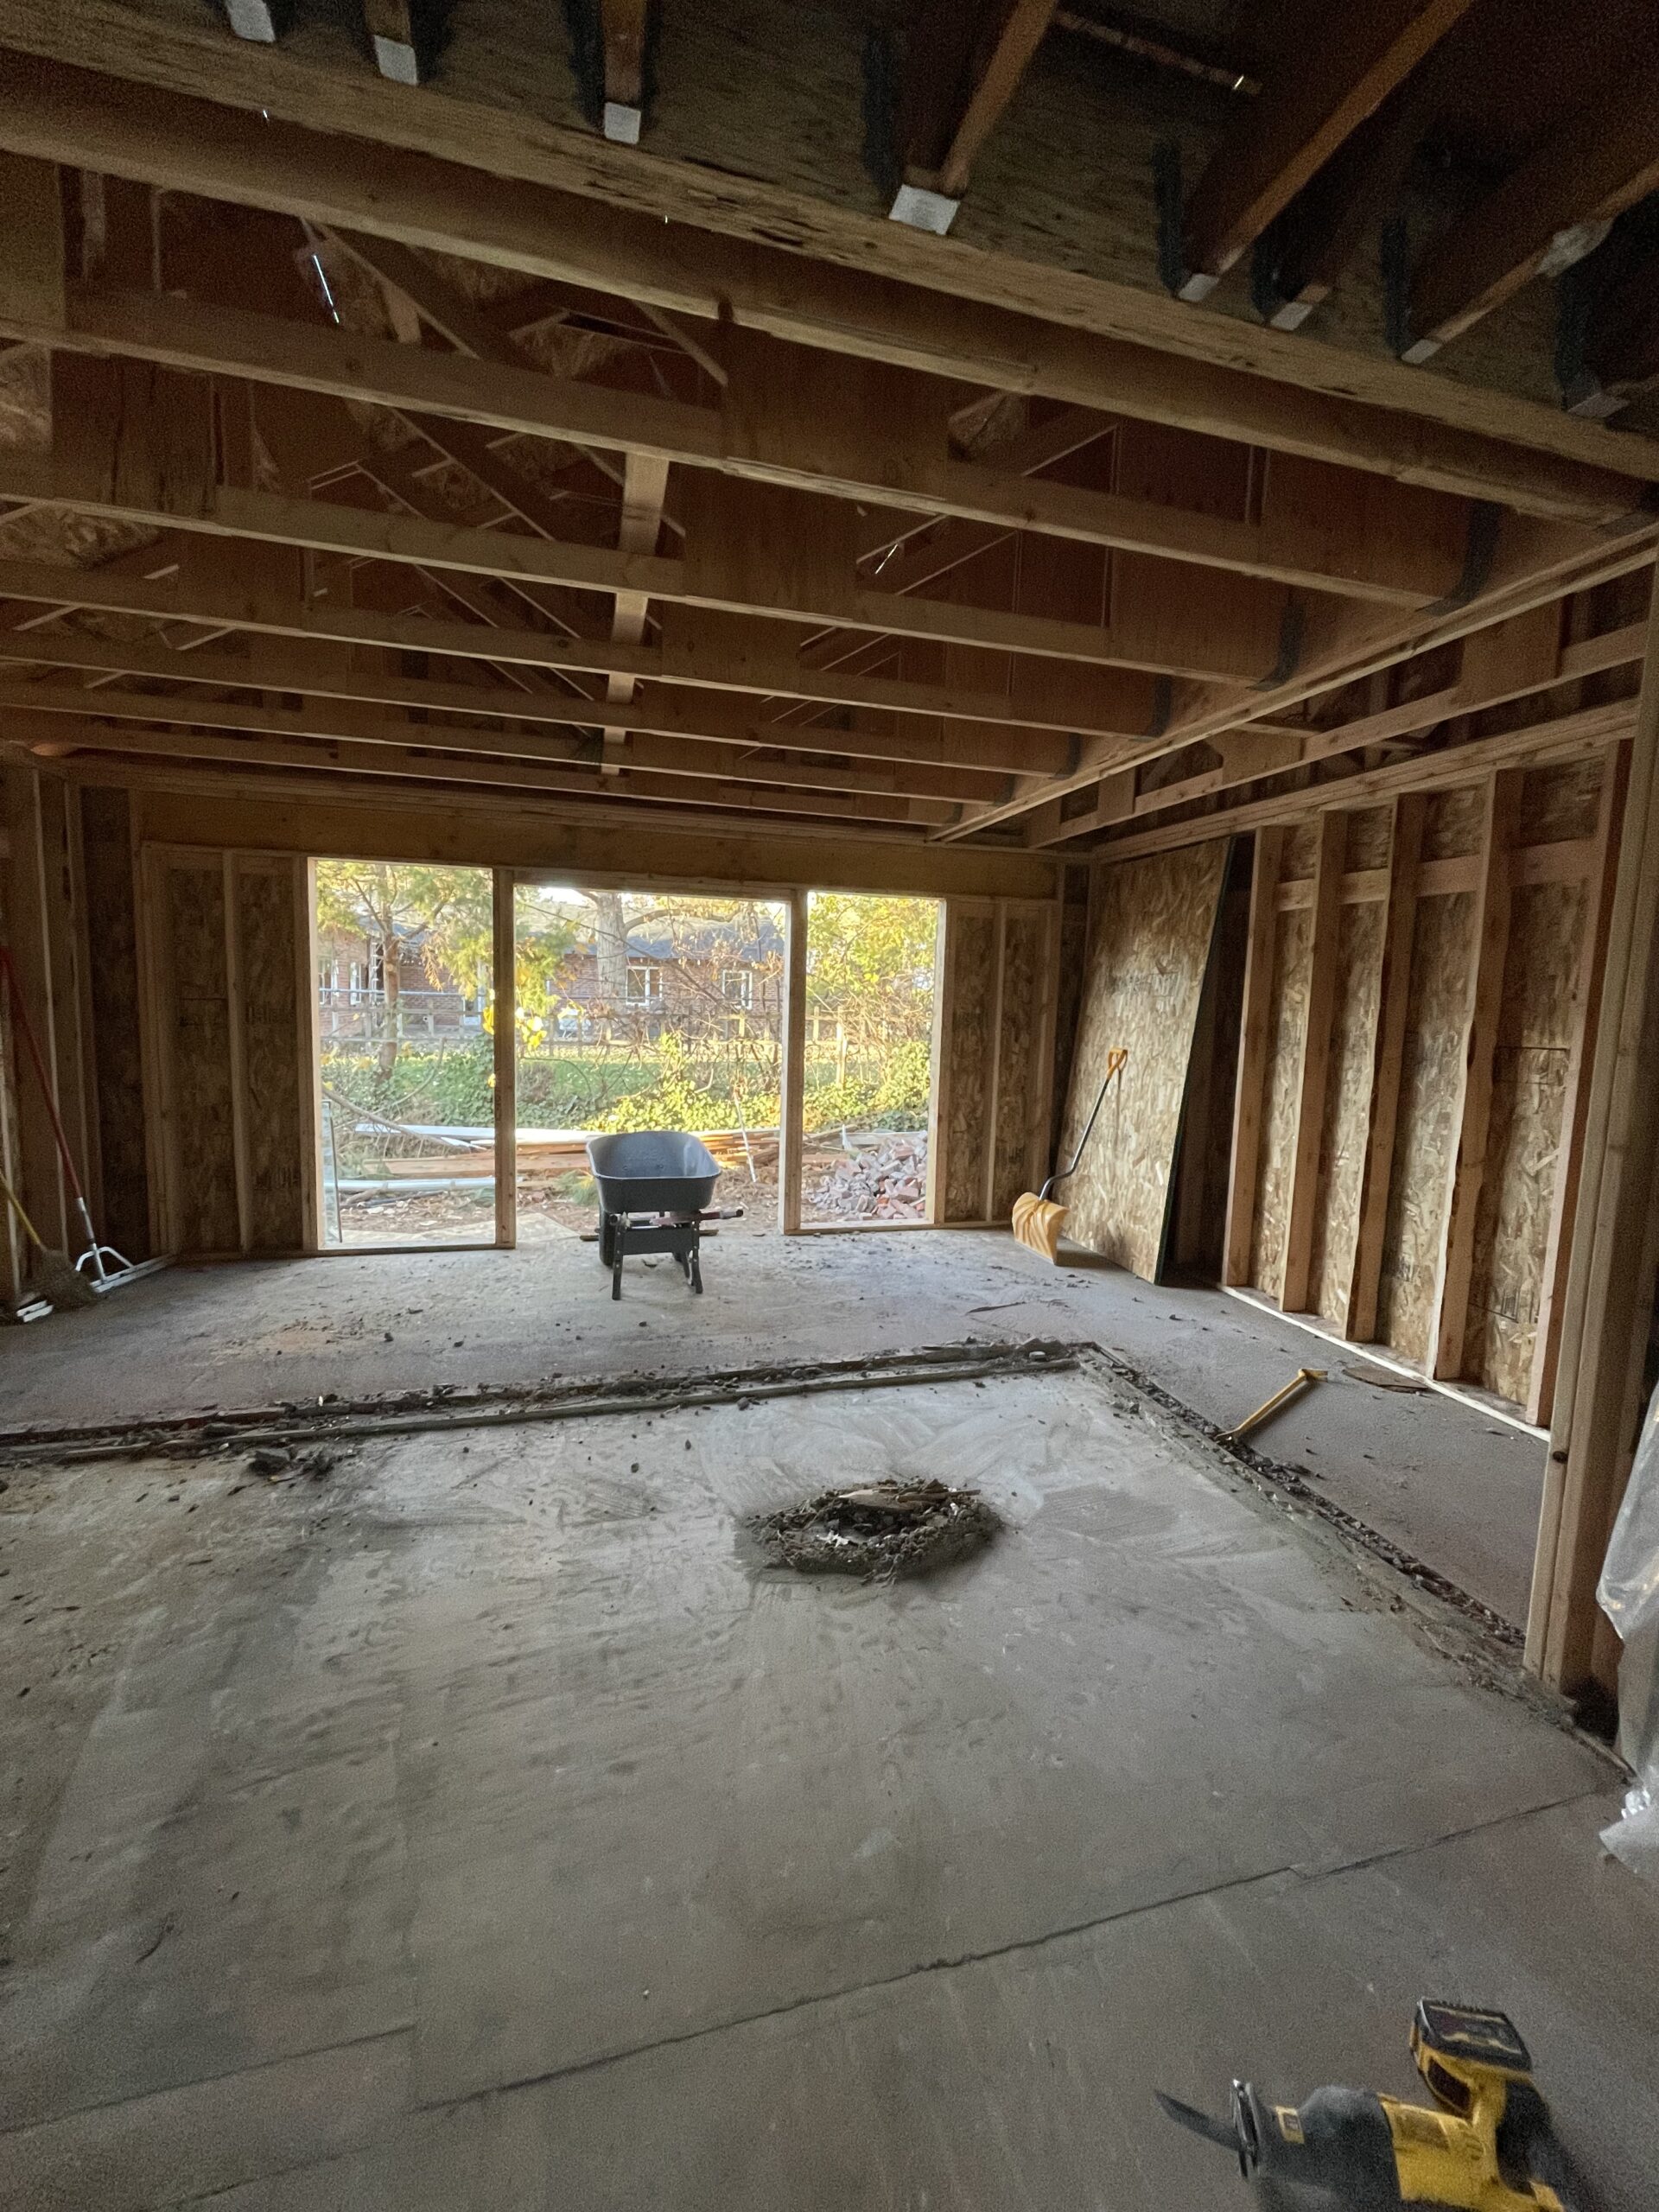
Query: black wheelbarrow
[(654, 1187)]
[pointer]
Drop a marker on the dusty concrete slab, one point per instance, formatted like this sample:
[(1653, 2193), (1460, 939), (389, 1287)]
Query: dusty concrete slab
[(1451, 1484), (642, 1875)]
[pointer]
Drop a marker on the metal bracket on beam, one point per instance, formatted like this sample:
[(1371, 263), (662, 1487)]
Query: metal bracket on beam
[(923, 209), (1292, 623), (262, 20), (1176, 278)]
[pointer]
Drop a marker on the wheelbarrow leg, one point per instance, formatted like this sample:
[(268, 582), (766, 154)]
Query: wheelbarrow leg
[(616, 1260), (694, 1269)]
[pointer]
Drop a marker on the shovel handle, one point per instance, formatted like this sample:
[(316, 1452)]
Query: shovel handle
[(1117, 1059)]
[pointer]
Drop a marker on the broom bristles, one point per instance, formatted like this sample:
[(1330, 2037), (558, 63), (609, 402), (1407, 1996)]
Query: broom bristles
[(63, 1284), (1037, 1222)]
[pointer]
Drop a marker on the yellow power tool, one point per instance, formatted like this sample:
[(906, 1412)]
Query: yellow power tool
[(1489, 2147)]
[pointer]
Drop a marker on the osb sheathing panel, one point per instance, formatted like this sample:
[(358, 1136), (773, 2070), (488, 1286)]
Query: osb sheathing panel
[(1368, 837), (113, 975), (1453, 826), (271, 1043), (970, 987), (1153, 924), (1018, 1078), (1560, 803), (1347, 1110), (1292, 958), (1529, 1089), (1426, 1131), (204, 1218), (1301, 852)]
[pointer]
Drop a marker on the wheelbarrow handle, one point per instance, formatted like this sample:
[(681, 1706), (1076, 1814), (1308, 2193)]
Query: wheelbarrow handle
[(1117, 1059)]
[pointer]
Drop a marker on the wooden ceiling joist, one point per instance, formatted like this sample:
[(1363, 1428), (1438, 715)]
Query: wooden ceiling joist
[(1153, 361), (1316, 98), (1547, 214), (964, 61), (623, 25)]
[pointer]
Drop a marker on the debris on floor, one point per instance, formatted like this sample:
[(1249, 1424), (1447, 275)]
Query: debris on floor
[(279, 1466), (1383, 1378), (880, 1530), (883, 1177)]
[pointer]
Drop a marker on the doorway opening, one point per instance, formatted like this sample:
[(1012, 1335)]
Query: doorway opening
[(647, 1009), (405, 1019), (868, 1059)]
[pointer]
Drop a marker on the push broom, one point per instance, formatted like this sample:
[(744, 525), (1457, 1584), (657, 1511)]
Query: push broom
[(1039, 1219)]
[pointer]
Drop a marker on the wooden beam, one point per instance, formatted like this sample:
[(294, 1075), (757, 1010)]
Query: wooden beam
[(394, 34), (1254, 1038), (1609, 1299), (1473, 1112), (1110, 347), (905, 467), (964, 61), (623, 25), (1546, 215), (1575, 1104), (1316, 1061), (1319, 94), (792, 1100), (1387, 1058), (1564, 737), (1014, 732), (504, 970)]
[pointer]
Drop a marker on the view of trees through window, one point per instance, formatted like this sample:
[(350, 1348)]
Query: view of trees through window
[(635, 1010)]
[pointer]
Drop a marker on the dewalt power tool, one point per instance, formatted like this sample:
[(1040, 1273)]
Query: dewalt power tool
[(1489, 2148)]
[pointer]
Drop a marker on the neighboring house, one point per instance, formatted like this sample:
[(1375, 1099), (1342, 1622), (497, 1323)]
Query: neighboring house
[(697, 978), (353, 1002)]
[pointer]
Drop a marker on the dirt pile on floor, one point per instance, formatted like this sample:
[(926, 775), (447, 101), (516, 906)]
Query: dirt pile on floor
[(879, 1530), (882, 1177)]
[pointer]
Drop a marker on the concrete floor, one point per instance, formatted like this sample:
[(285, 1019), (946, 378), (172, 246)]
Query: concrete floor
[(480, 1828), (1453, 1486)]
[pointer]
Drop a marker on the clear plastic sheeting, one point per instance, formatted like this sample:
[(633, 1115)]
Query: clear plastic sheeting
[(1629, 1594)]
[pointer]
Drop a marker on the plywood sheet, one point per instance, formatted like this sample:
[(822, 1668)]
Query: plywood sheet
[(1301, 852), (971, 986), (198, 1077), (1425, 1133), (1020, 1087), (1293, 961), (1347, 1110), (112, 928), (1528, 1090), (266, 915), (1155, 922)]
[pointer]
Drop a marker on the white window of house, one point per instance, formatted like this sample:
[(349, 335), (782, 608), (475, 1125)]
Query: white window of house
[(644, 983), (737, 986)]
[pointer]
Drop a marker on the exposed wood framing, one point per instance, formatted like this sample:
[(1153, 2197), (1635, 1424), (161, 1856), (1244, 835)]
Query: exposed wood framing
[(792, 1095), (1392, 1013), (1609, 1297), (964, 61), (1601, 873), (1321, 93), (1316, 1060), (1473, 1115), (504, 1054), (1107, 347), (1254, 1037)]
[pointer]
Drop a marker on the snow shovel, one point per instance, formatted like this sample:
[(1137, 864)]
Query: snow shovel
[(1038, 1219)]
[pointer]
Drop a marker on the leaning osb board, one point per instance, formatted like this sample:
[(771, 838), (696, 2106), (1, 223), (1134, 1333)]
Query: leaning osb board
[(1154, 920), (1347, 1110), (1018, 1078), (1426, 1131), (970, 990), (199, 1078), (265, 913), (1288, 1026), (1535, 1039)]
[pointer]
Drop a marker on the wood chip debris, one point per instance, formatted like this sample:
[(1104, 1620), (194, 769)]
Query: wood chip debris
[(878, 1531)]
